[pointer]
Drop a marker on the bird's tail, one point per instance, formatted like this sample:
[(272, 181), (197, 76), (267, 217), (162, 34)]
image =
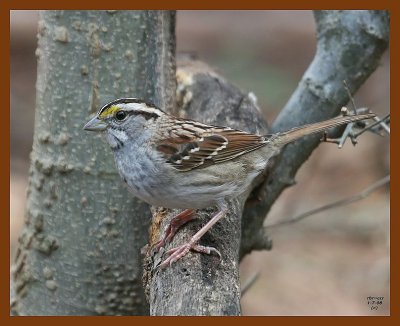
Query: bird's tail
[(291, 135)]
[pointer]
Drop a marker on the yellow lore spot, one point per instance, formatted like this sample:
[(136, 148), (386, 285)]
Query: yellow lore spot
[(109, 111)]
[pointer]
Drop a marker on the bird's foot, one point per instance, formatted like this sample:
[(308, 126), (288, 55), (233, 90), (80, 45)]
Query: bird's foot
[(181, 251)]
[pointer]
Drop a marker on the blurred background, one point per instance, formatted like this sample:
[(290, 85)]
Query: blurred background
[(327, 264)]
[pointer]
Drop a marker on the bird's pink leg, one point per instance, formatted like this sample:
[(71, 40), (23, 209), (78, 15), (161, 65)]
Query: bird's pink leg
[(174, 225), (179, 252)]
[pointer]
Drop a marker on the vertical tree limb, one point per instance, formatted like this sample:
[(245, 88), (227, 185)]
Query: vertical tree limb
[(79, 249)]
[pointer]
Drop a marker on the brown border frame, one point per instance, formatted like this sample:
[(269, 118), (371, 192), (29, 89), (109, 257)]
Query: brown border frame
[(7, 5)]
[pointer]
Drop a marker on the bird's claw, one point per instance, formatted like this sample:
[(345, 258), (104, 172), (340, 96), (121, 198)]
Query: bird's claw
[(178, 252)]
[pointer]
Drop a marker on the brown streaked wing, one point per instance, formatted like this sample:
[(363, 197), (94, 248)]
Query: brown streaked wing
[(215, 146), (239, 143)]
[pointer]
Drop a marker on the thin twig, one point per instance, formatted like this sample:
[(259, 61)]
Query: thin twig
[(249, 283), (346, 134), (378, 121), (349, 132), (346, 201), (353, 104)]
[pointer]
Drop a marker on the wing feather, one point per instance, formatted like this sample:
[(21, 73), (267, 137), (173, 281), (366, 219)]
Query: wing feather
[(211, 146)]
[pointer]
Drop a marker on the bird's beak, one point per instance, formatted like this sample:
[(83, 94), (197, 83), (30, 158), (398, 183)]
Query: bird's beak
[(95, 124)]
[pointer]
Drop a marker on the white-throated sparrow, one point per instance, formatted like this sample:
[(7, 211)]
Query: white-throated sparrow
[(180, 163)]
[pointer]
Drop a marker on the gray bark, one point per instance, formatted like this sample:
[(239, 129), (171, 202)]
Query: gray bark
[(350, 45), (79, 251)]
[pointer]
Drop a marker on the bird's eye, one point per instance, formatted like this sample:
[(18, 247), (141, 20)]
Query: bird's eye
[(120, 115)]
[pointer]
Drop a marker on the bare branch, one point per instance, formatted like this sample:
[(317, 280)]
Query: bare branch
[(376, 127), (378, 121), (353, 103), (343, 202), (349, 47)]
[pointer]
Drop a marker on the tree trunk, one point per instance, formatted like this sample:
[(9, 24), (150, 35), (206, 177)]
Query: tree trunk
[(199, 284), (79, 251)]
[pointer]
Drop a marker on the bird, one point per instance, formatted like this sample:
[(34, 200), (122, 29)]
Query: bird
[(184, 164)]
